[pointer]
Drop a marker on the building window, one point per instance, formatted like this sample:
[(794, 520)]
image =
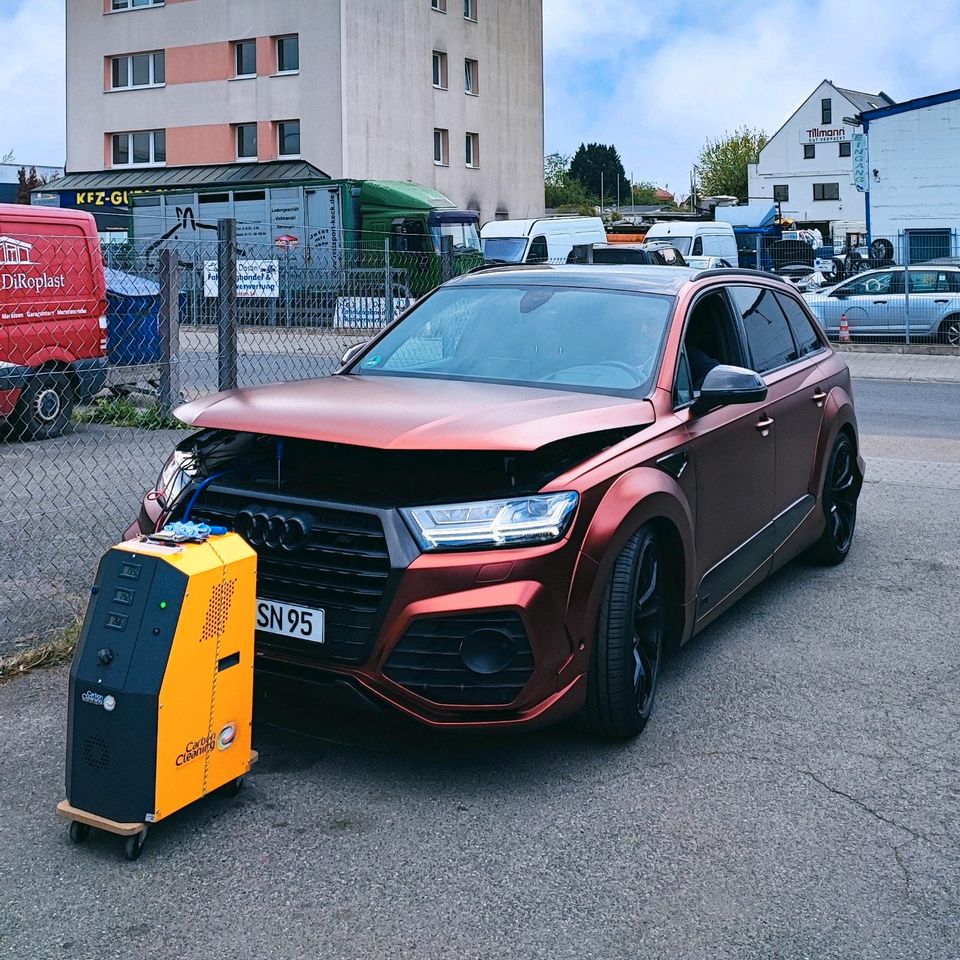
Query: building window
[(781, 192), (246, 141), (472, 153), (471, 77), (826, 112), (246, 58), (441, 147), (809, 151), (439, 70), (844, 148), (470, 10), (140, 148), (439, 5), (288, 54), (288, 138), (134, 4), (826, 191), (137, 70)]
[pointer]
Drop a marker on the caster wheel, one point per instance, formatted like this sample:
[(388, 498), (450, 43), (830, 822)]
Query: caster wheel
[(232, 788), (79, 831), (134, 845)]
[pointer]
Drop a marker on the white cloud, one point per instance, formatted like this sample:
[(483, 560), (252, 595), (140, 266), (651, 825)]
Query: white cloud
[(699, 74), (32, 87)]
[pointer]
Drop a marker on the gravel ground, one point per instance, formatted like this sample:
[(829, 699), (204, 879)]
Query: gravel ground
[(795, 796)]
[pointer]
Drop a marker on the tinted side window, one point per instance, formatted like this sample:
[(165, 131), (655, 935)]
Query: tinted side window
[(768, 335), (538, 250), (684, 388), (803, 331), (697, 250)]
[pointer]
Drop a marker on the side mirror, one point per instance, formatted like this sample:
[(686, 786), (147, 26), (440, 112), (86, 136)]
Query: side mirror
[(725, 385), (352, 354)]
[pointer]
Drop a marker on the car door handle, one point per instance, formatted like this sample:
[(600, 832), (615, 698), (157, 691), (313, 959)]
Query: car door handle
[(941, 301), (819, 395), (879, 301), (764, 424)]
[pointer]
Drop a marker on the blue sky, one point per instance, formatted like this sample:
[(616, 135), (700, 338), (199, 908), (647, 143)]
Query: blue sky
[(655, 79)]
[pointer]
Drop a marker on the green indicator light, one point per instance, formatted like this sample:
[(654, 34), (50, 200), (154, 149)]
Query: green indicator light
[(163, 604)]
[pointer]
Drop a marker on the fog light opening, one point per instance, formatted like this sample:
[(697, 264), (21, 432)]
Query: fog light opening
[(487, 651)]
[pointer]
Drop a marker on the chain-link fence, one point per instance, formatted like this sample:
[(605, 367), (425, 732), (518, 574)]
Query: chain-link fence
[(94, 360), (899, 289)]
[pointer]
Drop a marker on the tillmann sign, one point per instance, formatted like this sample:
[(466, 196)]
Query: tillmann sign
[(824, 135)]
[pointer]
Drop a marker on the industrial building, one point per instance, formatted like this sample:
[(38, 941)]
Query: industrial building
[(807, 165), (911, 175), (448, 93)]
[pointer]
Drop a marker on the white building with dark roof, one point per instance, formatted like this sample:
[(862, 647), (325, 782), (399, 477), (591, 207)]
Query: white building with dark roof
[(807, 165)]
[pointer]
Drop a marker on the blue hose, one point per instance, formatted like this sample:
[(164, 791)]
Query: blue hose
[(196, 493)]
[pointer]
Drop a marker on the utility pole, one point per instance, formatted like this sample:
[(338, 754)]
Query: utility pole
[(601, 191)]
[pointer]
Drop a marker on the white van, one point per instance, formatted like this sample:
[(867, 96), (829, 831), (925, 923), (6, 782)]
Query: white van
[(698, 238), (536, 241)]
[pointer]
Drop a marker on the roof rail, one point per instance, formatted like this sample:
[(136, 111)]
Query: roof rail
[(736, 272)]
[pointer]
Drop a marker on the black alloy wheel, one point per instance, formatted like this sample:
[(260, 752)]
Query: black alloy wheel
[(841, 489), (950, 331), (628, 648)]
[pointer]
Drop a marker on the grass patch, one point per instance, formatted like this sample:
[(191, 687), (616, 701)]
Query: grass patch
[(49, 654), (123, 412)]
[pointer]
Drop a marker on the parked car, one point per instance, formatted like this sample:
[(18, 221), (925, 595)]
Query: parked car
[(505, 508), (537, 241), (876, 303), (656, 254), (53, 306), (698, 238), (707, 263)]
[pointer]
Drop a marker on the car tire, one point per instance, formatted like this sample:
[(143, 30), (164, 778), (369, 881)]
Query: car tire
[(841, 488), (950, 331), (629, 643), (45, 405)]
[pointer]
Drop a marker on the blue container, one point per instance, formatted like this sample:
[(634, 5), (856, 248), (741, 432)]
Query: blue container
[(133, 319)]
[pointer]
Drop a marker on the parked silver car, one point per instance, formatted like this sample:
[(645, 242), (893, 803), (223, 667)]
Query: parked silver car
[(876, 303)]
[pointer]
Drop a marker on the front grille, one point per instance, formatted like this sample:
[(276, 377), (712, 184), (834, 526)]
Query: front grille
[(341, 566), (427, 660)]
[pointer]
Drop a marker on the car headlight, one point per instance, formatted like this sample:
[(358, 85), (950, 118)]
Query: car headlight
[(541, 518), (176, 474)]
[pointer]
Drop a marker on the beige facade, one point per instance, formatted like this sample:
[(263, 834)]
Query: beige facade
[(363, 94)]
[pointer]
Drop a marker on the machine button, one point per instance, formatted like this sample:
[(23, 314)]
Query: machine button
[(105, 656)]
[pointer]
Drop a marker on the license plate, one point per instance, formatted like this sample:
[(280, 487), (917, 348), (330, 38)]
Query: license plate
[(289, 620)]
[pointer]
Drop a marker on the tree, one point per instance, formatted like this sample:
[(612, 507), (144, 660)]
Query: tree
[(644, 194), (7, 157), (723, 162), (27, 182), (560, 189), (592, 160)]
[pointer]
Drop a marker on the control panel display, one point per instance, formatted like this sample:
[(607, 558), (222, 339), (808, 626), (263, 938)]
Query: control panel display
[(116, 621), (124, 596), (130, 571)]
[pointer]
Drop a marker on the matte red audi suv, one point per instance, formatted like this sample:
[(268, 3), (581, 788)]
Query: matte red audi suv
[(507, 506)]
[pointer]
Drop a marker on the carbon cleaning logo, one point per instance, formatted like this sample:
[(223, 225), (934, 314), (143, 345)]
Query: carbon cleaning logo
[(13, 252)]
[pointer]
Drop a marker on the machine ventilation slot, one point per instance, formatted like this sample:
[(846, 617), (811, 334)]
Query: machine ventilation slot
[(96, 752), (218, 611)]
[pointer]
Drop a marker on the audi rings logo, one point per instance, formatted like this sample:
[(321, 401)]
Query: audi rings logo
[(276, 529)]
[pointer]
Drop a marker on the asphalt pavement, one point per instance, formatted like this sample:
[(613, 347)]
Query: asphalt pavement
[(794, 796)]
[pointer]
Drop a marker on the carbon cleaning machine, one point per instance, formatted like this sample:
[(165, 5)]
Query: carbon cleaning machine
[(161, 687)]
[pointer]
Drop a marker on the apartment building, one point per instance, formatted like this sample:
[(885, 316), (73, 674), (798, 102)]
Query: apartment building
[(448, 93)]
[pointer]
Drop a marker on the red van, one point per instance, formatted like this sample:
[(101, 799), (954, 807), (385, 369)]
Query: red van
[(53, 316)]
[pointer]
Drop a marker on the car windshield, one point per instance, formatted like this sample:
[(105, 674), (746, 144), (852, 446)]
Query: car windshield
[(599, 341), (504, 249), (465, 236), (681, 243)]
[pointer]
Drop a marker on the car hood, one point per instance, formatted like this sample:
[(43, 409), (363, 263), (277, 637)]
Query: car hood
[(405, 413)]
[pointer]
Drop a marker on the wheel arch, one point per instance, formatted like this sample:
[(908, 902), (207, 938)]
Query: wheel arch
[(642, 496)]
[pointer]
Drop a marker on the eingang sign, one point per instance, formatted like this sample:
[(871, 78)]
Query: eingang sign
[(825, 135)]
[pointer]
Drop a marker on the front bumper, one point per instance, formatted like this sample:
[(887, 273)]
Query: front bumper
[(478, 639)]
